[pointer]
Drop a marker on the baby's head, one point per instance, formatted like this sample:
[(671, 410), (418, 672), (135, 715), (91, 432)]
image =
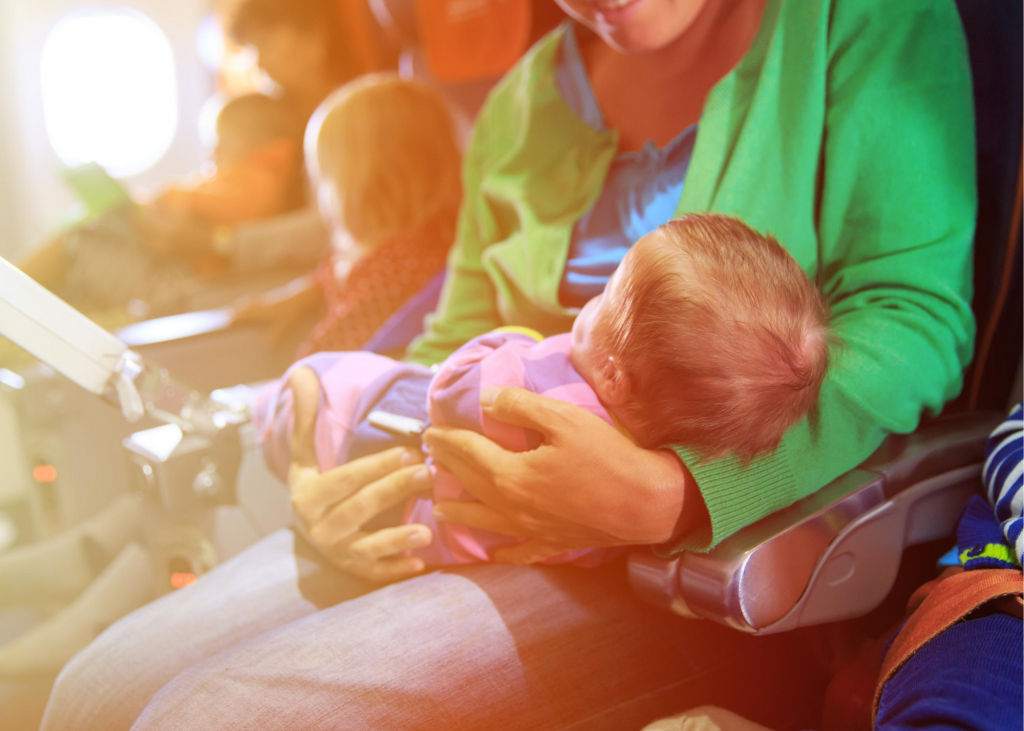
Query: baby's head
[(708, 334), (383, 157), (246, 123)]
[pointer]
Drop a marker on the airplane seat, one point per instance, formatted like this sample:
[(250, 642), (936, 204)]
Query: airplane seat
[(462, 49), (835, 555)]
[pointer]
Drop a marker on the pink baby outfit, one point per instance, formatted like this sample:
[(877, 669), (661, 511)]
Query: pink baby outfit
[(354, 384)]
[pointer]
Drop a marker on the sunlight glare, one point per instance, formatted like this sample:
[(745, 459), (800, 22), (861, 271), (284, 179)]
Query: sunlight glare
[(109, 90)]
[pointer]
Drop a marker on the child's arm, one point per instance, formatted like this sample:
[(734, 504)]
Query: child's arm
[(279, 309), (352, 386)]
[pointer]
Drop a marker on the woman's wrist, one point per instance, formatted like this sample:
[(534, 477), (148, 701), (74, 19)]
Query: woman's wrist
[(672, 503)]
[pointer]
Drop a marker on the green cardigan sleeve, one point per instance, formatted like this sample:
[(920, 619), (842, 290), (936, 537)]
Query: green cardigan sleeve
[(895, 226), (468, 305)]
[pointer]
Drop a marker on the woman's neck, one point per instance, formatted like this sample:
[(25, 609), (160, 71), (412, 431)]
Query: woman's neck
[(656, 95)]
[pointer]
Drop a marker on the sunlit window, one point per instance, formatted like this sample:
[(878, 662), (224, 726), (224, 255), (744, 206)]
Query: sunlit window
[(109, 92)]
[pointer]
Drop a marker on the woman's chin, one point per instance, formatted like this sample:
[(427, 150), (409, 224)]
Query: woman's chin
[(637, 40), (645, 26)]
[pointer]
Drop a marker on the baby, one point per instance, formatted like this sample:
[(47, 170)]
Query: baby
[(708, 334)]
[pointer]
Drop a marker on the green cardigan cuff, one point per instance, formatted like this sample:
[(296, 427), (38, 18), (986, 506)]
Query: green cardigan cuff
[(733, 493)]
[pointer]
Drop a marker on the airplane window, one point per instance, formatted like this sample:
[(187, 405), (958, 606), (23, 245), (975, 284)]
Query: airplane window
[(109, 90)]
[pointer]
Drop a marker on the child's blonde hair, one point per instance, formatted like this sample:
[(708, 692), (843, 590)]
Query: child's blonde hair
[(388, 146)]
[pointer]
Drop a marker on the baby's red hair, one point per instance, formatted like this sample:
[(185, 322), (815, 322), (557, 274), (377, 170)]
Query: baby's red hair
[(723, 336)]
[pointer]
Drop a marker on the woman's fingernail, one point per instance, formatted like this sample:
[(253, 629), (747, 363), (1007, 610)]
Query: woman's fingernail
[(439, 514), (417, 565), (489, 396), (418, 539), (410, 457), (421, 478)]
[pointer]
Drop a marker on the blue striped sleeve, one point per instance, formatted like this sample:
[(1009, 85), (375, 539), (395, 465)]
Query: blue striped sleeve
[(1004, 477)]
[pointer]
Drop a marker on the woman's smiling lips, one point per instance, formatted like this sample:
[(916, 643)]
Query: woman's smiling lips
[(615, 12)]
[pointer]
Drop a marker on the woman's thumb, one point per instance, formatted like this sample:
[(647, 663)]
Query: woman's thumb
[(305, 388), (522, 408)]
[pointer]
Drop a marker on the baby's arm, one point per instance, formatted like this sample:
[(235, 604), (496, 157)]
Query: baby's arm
[(351, 386)]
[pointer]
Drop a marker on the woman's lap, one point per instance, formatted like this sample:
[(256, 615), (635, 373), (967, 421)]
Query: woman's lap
[(275, 582), (480, 647)]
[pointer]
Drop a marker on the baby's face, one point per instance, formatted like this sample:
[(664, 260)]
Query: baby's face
[(593, 326)]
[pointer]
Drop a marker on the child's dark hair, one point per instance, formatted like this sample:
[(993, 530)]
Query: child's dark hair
[(724, 337), (312, 17), (260, 118)]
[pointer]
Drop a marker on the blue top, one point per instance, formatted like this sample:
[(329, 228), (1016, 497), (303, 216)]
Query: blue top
[(966, 679), (640, 193)]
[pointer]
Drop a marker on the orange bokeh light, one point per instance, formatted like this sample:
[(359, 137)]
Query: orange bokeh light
[(44, 473), (180, 580)]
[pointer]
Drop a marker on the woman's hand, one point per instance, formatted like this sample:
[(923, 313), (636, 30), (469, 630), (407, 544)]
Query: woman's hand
[(331, 507), (587, 485)]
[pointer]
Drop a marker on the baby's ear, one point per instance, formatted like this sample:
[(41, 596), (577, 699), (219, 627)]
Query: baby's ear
[(612, 383)]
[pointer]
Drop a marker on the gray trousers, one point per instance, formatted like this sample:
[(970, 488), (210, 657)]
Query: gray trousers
[(277, 639)]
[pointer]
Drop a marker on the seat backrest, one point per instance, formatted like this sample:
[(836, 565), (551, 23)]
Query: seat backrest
[(996, 47)]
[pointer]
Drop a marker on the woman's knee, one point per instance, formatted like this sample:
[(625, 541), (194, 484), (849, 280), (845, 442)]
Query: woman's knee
[(100, 688)]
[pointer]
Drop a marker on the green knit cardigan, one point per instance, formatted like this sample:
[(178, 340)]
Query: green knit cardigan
[(847, 132)]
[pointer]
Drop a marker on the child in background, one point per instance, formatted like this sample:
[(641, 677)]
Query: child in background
[(382, 156), (158, 252), (708, 334), (256, 164)]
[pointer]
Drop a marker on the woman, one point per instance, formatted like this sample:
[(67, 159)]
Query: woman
[(303, 46), (844, 127)]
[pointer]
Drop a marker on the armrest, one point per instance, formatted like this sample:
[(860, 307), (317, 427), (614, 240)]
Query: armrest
[(207, 351), (834, 554)]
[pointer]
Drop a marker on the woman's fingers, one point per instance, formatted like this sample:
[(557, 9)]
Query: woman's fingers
[(475, 460), (390, 541), (526, 409), (339, 484), (385, 570), (477, 515), (445, 443), (305, 388), (340, 522)]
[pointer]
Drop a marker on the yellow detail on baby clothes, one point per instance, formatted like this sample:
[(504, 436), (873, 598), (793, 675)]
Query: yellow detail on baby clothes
[(527, 331)]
